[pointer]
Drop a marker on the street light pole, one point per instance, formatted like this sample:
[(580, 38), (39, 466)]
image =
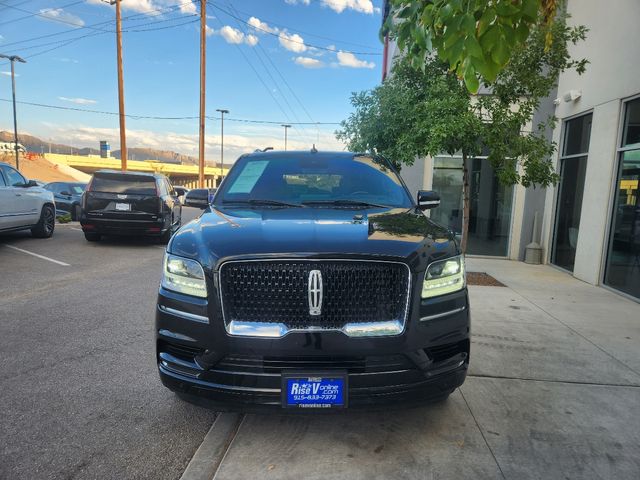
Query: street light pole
[(203, 59), (286, 127), (13, 59), (222, 112)]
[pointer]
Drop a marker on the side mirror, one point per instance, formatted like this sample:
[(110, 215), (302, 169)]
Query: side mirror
[(198, 198), (65, 193), (428, 199), (31, 183)]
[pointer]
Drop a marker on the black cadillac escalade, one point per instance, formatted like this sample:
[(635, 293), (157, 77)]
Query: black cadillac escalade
[(313, 281)]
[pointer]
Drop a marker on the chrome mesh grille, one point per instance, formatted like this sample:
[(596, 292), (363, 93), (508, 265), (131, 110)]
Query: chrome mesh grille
[(277, 292)]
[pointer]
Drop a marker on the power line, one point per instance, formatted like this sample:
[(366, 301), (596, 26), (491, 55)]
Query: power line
[(48, 17), (289, 39), (264, 84), (275, 83), (296, 30), (49, 35), (155, 117), (33, 14)]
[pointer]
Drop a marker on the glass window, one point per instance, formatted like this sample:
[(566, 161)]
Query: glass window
[(75, 188), (2, 182), (577, 133), (13, 176), (631, 134), (622, 270), (316, 178), (123, 183), (490, 204)]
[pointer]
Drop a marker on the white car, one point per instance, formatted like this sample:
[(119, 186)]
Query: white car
[(24, 205)]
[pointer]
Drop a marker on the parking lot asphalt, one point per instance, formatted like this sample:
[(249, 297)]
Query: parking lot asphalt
[(553, 390), (79, 391)]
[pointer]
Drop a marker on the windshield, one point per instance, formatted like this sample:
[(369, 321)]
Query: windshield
[(313, 181)]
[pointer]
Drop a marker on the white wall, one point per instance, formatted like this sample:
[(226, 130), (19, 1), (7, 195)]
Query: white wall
[(613, 74)]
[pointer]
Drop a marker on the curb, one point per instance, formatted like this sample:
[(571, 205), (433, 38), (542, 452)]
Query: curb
[(210, 453)]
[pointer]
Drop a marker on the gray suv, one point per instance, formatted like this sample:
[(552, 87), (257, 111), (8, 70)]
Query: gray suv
[(24, 205)]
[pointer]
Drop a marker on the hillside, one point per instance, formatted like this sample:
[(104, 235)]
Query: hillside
[(37, 145)]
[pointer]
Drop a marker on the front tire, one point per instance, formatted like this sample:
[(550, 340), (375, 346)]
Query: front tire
[(92, 237), (47, 223)]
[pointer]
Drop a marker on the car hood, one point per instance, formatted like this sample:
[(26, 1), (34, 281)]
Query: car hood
[(221, 234)]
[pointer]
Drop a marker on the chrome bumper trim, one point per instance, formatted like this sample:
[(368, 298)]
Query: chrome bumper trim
[(443, 314), (279, 330), (186, 315)]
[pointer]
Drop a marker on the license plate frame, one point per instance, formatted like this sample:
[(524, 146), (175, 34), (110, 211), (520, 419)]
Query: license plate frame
[(340, 378), (123, 207)]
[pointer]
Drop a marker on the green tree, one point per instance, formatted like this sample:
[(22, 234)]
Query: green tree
[(476, 38), (427, 111)]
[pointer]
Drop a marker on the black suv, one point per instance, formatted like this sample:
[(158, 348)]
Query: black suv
[(129, 203), (313, 281)]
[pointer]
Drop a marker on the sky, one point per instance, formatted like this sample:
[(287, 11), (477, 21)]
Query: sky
[(282, 61)]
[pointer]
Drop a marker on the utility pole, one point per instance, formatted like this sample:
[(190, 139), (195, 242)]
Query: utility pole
[(123, 133), (203, 65), (13, 59), (286, 127), (222, 112)]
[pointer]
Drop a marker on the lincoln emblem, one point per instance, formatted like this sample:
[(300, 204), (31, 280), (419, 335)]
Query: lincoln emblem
[(315, 292)]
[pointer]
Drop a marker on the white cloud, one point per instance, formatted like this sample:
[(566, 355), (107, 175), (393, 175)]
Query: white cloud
[(67, 60), (1, 38), (58, 14), (234, 36), (231, 35), (292, 42), (78, 101), (364, 6), (260, 26), (152, 7), (210, 31), (8, 74), (238, 139), (251, 40), (308, 62), (339, 6), (346, 59), (188, 8)]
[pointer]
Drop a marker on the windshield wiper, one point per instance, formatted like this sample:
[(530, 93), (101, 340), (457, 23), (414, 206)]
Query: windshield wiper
[(345, 203), (264, 201)]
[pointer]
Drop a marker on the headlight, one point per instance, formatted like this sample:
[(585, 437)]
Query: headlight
[(184, 276), (444, 276)]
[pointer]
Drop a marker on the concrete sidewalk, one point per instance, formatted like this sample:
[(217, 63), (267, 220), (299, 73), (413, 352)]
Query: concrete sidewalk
[(553, 392)]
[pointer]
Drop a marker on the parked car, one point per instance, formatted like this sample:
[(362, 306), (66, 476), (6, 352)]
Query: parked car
[(129, 203), (67, 196), (181, 192), (24, 205), (313, 281)]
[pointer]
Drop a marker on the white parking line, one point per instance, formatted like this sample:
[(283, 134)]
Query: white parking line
[(39, 256), (78, 229)]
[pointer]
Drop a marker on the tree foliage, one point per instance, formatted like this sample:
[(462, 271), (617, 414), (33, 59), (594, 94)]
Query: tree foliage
[(476, 38), (425, 111)]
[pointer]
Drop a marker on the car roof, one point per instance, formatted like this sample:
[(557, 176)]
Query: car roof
[(297, 154), (130, 172)]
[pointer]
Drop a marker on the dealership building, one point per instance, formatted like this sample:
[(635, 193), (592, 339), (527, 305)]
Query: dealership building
[(589, 223)]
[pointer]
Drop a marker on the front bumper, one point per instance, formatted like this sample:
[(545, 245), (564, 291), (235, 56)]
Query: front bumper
[(198, 358)]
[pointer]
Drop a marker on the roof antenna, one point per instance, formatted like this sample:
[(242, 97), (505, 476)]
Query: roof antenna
[(314, 149)]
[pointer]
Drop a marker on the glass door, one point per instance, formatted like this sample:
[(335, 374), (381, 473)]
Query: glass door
[(622, 270), (573, 167)]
